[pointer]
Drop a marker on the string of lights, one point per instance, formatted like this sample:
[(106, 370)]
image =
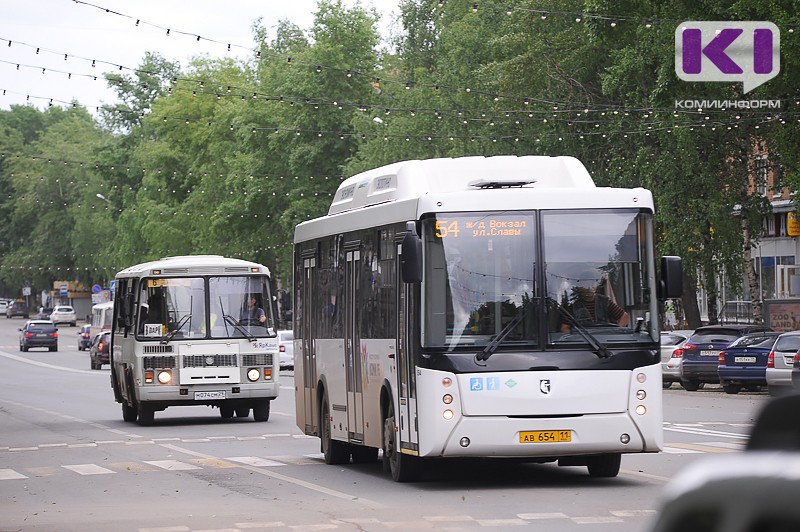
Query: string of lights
[(408, 84), (531, 107)]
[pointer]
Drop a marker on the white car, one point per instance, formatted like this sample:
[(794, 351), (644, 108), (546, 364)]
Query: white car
[(64, 314), (3, 306), (286, 348)]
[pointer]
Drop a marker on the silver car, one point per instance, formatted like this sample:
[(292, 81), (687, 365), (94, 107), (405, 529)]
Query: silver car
[(671, 365), (780, 362), (64, 314)]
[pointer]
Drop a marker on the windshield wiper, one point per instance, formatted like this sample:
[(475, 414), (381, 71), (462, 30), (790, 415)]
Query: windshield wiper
[(230, 319), (167, 337), (597, 348), (495, 342)]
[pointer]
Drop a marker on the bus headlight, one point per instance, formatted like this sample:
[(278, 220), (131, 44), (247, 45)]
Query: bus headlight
[(253, 374), (164, 377), (447, 414)]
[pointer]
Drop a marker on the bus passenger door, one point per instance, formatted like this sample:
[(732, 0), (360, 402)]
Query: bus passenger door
[(406, 378), (308, 333), (352, 349)]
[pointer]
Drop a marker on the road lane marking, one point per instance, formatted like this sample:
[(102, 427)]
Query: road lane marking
[(305, 484), (255, 461), (88, 469), (10, 474), (172, 465)]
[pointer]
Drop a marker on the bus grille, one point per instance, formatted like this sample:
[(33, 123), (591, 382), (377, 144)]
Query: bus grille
[(149, 349), (158, 362), (202, 361), (257, 359)]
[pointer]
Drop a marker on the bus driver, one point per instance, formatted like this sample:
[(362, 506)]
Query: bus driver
[(253, 314)]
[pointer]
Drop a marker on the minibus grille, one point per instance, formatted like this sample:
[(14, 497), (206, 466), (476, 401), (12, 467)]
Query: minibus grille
[(257, 359), (203, 361), (151, 349), (158, 362)]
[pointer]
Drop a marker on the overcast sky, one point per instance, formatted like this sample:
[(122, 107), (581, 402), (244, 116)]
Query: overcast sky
[(83, 32)]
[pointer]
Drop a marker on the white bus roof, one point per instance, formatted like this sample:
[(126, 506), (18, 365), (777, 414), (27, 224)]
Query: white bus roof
[(406, 190), (195, 265)]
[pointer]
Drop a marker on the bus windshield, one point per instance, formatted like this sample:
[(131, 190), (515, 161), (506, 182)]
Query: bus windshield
[(481, 272), (204, 307)]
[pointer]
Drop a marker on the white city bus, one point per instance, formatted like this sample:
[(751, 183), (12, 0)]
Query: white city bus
[(184, 335), (436, 316)]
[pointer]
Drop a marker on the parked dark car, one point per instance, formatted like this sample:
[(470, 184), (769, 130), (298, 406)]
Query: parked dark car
[(84, 337), (38, 333), (701, 352), (744, 362), (98, 352), (17, 308)]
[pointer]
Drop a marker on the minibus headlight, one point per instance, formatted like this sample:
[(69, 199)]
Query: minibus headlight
[(164, 377), (253, 374)]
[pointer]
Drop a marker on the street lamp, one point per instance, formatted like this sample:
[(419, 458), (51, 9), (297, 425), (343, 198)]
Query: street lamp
[(103, 197)]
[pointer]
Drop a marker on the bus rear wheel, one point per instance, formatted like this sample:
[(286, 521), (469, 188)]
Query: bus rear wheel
[(226, 411), (335, 452), (403, 468)]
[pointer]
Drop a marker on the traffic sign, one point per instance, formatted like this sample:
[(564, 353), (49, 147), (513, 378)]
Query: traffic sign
[(96, 288), (64, 289)]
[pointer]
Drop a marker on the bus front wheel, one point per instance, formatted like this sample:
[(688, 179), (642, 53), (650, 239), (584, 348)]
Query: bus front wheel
[(261, 410), (335, 452), (129, 413), (604, 465), (226, 411), (147, 415), (403, 467)]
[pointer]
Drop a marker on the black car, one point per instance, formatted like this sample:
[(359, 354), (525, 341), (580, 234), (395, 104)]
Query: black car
[(17, 308), (38, 333), (98, 352), (85, 337), (701, 352)]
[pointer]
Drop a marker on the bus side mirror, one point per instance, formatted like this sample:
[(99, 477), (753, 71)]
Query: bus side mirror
[(411, 255), (671, 283)]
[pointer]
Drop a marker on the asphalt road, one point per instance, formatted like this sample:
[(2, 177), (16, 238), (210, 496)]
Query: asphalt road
[(69, 462)]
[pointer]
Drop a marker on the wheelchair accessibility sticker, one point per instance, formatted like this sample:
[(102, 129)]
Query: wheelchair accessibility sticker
[(478, 384)]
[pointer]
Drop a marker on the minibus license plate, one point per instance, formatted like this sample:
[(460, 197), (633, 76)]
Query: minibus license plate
[(202, 396), (545, 436)]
